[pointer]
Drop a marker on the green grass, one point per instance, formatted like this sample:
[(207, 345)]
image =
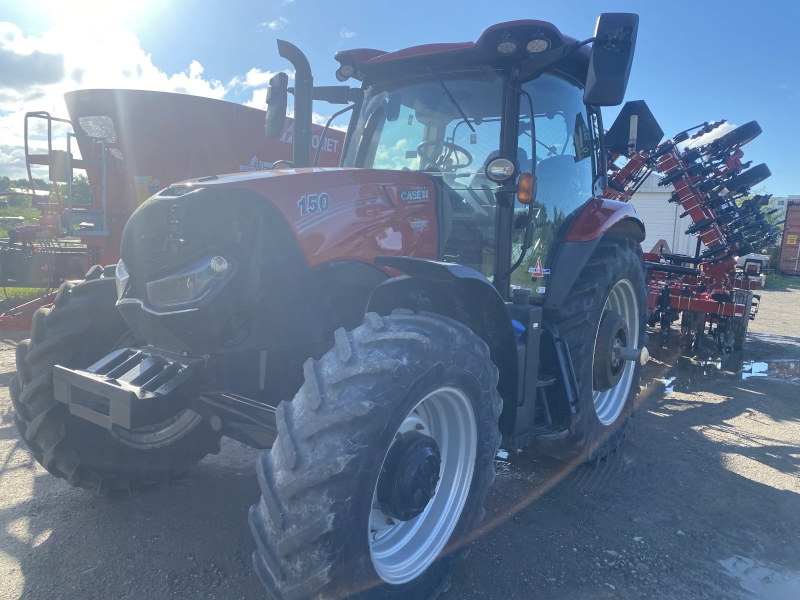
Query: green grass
[(776, 281), (16, 296), (31, 217)]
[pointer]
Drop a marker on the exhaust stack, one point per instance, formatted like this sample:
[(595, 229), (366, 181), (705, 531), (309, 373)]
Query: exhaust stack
[(303, 102)]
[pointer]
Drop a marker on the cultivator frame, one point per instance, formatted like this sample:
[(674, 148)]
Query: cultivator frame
[(711, 185)]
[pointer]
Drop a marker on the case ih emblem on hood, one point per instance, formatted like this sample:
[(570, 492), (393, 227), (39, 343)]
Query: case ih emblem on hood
[(412, 195)]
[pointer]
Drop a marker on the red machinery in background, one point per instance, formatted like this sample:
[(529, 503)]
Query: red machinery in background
[(712, 185), (130, 144)]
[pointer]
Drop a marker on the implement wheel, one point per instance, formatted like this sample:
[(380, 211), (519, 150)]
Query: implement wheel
[(739, 326), (381, 465), (609, 291), (82, 327)]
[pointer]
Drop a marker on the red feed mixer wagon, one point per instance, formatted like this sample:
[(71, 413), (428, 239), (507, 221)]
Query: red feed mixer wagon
[(130, 144)]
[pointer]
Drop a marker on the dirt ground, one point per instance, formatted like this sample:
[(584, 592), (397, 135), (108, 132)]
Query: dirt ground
[(701, 501)]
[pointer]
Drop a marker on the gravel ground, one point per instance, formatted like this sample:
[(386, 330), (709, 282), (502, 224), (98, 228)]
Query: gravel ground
[(701, 501)]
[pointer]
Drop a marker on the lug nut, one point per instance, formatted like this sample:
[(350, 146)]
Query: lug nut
[(389, 521)]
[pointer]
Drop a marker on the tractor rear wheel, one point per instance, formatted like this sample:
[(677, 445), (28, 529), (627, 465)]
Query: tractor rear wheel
[(83, 326), (611, 286), (381, 465)]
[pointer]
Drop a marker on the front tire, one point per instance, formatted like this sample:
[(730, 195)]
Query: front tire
[(324, 527), (83, 326), (613, 279)]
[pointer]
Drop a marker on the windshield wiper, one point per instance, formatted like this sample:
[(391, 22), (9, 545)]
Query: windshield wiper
[(453, 101)]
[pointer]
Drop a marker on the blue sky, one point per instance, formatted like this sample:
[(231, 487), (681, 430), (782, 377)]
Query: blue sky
[(695, 60)]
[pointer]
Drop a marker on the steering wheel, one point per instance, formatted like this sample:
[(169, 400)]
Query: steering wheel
[(283, 164), (445, 161)]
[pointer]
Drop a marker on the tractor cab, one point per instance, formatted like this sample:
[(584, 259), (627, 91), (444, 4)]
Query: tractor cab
[(476, 116)]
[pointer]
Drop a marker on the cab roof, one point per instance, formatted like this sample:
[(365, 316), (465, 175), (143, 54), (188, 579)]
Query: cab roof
[(375, 65)]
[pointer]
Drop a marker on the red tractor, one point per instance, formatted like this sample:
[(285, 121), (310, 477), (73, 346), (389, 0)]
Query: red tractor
[(361, 324)]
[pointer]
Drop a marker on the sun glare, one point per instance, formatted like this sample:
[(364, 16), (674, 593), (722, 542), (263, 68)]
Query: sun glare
[(83, 14)]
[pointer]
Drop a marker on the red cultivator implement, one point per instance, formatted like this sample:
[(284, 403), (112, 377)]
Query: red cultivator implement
[(711, 184)]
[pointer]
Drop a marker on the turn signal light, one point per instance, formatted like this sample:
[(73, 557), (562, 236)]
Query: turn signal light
[(525, 188)]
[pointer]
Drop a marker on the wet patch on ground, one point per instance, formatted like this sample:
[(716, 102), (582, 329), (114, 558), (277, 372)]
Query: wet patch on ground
[(761, 582)]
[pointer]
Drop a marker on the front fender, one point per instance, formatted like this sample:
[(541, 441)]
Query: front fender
[(460, 293), (599, 216), (596, 218)]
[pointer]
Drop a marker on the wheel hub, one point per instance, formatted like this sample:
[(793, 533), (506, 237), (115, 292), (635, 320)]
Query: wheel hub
[(409, 477), (612, 337)]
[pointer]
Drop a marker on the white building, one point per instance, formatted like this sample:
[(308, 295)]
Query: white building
[(662, 219)]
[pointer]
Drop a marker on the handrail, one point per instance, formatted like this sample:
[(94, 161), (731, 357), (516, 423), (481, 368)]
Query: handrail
[(41, 114)]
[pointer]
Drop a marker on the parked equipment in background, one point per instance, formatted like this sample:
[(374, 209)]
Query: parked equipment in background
[(712, 186), (129, 144), (789, 263)]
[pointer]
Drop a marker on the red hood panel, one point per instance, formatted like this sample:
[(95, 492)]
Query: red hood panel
[(341, 214)]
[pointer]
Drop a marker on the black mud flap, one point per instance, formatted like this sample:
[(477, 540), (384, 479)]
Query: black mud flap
[(130, 388)]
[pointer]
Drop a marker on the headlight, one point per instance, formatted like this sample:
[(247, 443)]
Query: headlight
[(190, 284), (122, 279)]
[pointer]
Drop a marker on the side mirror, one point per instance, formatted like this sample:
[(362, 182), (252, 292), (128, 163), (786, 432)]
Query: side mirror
[(277, 99), (611, 59), (337, 94)]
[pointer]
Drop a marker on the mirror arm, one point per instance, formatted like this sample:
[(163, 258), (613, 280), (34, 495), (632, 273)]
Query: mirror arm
[(602, 167)]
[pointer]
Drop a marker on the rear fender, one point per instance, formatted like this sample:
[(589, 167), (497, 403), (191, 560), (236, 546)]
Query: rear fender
[(580, 237), (460, 293)]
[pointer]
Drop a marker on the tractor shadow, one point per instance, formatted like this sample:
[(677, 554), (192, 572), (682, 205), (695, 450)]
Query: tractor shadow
[(709, 469)]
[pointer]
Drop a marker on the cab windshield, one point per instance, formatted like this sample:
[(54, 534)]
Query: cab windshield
[(440, 123)]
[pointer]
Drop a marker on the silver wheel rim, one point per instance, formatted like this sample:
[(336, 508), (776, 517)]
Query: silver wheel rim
[(162, 434), (402, 550), (609, 404)]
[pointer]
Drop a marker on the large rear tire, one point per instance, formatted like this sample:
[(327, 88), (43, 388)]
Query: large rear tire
[(83, 326), (613, 279), (324, 526)]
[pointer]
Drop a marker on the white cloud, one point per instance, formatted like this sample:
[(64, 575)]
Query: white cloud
[(63, 59), (347, 34), (97, 56), (278, 23)]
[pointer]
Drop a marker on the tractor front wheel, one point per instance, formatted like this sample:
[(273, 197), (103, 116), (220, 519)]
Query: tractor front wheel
[(82, 327), (381, 465)]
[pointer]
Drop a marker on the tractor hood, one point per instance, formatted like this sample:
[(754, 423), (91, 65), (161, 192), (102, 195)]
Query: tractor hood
[(275, 233)]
